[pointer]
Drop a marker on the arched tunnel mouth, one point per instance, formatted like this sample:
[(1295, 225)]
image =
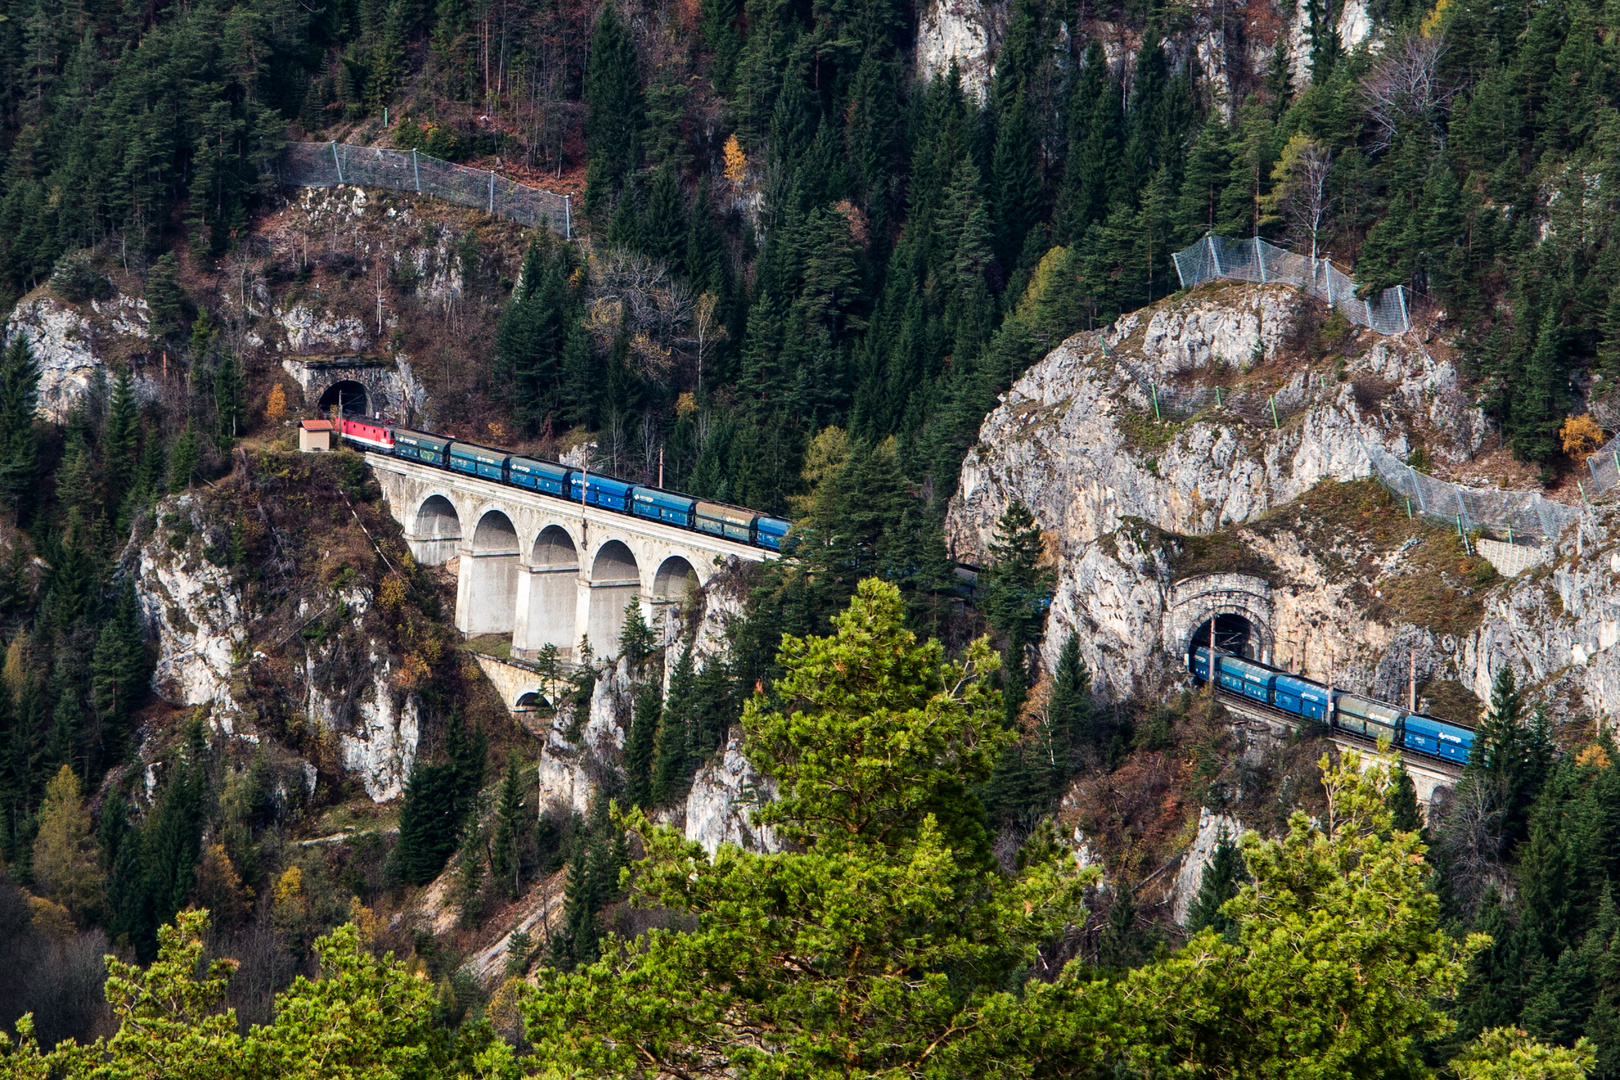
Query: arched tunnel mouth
[(1234, 636), (349, 396)]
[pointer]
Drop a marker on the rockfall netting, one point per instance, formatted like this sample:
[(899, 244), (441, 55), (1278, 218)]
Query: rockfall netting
[(1605, 466), (329, 164), (1256, 260), (1517, 516)]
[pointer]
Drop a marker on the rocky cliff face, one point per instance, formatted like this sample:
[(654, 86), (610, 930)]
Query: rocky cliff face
[(1143, 506), (71, 342), (305, 652)]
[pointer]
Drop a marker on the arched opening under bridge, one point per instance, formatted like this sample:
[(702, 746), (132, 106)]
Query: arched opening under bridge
[(490, 576), (546, 611)]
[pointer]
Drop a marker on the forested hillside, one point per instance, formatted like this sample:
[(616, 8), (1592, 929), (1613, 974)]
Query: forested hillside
[(813, 244)]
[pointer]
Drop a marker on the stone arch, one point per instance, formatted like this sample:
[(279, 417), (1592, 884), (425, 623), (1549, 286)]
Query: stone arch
[(351, 397), (435, 531), (1240, 604), (615, 581), (675, 580), (489, 577), (548, 593)]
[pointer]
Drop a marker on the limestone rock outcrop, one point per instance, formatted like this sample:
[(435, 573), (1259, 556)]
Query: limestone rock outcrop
[(1119, 444), (724, 794)]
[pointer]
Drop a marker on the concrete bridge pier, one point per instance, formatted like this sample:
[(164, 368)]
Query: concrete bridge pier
[(548, 587), (487, 578)]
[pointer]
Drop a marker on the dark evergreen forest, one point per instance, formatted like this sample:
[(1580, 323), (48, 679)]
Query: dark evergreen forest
[(873, 256)]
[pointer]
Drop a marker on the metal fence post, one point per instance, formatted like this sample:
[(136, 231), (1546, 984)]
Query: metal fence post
[(416, 171), (1328, 262), (568, 220), (1176, 258), (1260, 257), (1214, 253), (1400, 294), (337, 161), (492, 191)]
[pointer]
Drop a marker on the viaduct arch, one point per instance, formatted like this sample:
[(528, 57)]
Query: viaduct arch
[(545, 570)]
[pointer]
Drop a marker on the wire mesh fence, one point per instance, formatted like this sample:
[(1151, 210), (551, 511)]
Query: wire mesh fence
[(1605, 466), (1258, 261), (330, 164), (1518, 517), (1512, 515)]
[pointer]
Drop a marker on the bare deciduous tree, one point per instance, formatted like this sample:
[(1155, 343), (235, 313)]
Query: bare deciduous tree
[(1299, 195), (1405, 87)]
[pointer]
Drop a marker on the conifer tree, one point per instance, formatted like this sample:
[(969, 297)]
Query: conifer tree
[(470, 873), (19, 383), (636, 641), (671, 755), (1070, 710), (639, 746), (120, 446), (512, 831), (1219, 883), (117, 681), (1016, 591), (613, 114), (66, 864), (165, 301)]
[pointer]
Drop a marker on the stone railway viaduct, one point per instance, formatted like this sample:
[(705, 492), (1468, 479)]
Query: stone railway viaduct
[(545, 570)]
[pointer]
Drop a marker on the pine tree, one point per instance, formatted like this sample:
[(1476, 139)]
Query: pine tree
[(1070, 710), (165, 301), (120, 443), (228, 400), (184, 461), (1016, 591), (663, 226), (1122, 944), (582, 930), (19, 465), (66, 864), (636, 641), (117, 681), (429, 823), (1404, 813), (669, 773), (512, 831), (1219, 883), (613, 114), (470, 874), (639, 746)]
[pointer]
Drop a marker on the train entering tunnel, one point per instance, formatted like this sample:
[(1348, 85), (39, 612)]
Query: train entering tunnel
[(1234, 636)]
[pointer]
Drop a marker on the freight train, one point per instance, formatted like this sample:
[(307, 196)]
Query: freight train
[(575, 485), (1262, 683)]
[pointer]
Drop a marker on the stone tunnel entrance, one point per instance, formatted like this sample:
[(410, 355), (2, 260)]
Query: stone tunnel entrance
[(348, 396), (1238, 604), (1234, 636)]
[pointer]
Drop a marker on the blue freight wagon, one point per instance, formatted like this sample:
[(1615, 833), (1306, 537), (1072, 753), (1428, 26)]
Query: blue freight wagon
[(770, 532), (603, 491), (543, 476), (478, 461), (1300, 696), (1430, 735), (656, 504), (420, 446)]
